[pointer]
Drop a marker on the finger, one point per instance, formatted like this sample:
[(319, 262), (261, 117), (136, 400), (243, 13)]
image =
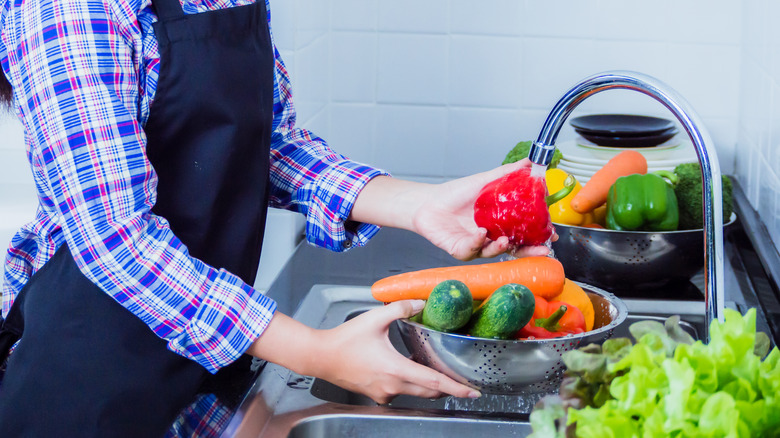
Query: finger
[(526, 162), (498, 172), (398, 310), (469, 248), (496, 247), (431, 379), (419, 391), (530, 251)]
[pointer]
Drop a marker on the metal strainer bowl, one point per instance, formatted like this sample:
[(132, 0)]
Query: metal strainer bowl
[(509, 366), (621, 261)]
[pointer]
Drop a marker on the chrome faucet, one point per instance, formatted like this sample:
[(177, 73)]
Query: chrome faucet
[(544, 146)]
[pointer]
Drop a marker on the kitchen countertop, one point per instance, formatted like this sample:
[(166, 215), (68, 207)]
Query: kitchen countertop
[(748, 284)]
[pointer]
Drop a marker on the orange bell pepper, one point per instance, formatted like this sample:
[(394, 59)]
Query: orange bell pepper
[(553, 319)]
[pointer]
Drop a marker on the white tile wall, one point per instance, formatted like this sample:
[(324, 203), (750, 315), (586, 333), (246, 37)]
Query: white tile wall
[(353, 59), (411, 139), (412, 69), (17, 193), (354, 14), (429, 16), (759, 111), (410, 81), (484, 71), (502, 17), (515, 56)]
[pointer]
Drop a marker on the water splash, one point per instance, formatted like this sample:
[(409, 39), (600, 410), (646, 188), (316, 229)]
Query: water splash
[(494, 403), (549, 246)]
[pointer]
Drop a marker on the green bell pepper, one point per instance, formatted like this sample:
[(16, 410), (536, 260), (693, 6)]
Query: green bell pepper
[(643, 203)]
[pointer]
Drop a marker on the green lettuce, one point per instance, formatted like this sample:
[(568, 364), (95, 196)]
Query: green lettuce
[(666, 384)]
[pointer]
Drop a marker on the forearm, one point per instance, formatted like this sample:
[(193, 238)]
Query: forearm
[(390, 202), (289, 343)]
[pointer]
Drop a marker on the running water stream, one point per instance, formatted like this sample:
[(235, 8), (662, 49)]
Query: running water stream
[(537, 171)]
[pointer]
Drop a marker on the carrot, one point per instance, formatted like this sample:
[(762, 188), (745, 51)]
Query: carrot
[(594, 193), (543, 275), (573, 294)]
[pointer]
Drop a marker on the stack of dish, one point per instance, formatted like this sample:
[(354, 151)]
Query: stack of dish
[(603, 136)]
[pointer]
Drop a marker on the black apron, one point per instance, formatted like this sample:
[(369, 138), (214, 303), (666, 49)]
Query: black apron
[(85, 366)]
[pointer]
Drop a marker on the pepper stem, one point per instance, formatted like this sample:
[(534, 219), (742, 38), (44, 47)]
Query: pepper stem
[(551, 322), (568, 186), (668, 174)]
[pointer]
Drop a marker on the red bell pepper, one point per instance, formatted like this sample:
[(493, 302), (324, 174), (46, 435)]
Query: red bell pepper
[(516, 206), (553, 319)]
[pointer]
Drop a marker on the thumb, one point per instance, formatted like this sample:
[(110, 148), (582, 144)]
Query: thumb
[(402, 309), (505, 169)]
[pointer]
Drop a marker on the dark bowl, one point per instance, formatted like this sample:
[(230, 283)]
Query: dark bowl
[(630, 142), (621, 125)]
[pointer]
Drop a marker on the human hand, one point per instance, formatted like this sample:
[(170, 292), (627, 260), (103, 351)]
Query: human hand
[(446, 218), (358, 356)]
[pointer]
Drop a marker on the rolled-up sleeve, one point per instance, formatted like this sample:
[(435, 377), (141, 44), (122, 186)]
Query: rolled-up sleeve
[(309, 177), (75, 79)]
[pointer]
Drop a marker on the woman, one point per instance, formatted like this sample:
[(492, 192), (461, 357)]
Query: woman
[(149, 129)]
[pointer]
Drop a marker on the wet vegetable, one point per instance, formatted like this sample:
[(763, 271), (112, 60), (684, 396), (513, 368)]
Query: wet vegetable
[(594, 192), (643, 203), (667, 384), (516, 206), (543, 275), (449, 306), (553, 319), (689, 196), (503, 313)]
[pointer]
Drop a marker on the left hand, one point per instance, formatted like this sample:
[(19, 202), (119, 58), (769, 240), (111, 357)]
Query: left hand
[(447, 218)]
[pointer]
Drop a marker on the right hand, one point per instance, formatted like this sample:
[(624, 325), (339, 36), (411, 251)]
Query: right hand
[(358, 356)]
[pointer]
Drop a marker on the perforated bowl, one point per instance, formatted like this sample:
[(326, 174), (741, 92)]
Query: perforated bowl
[(509, 366), (630, 260)]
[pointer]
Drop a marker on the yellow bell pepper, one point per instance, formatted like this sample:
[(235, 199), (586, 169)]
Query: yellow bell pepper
[(561, 212)]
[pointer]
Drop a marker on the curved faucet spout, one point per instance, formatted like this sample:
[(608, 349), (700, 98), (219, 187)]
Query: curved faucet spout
[(543, 148)]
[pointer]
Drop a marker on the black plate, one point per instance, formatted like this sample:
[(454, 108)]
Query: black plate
[(631, 142), (620, 125)]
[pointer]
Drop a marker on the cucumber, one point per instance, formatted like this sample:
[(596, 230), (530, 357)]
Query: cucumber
[(503, 313), (448, 307)]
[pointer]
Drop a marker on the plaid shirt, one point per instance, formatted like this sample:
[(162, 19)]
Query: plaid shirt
[(84, 74)]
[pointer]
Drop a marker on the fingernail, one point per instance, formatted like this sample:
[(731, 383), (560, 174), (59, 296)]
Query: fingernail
[(418, 305), (475, 394)]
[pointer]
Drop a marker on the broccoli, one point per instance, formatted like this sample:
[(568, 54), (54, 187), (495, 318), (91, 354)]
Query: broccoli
[(521, 151), (689, 196)]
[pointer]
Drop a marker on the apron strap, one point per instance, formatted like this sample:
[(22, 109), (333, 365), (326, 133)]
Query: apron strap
[(11, 328), (167, 9), (8, 338)]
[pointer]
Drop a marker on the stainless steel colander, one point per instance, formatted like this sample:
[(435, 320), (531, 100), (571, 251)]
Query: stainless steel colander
[(621, 261), (508, 366)]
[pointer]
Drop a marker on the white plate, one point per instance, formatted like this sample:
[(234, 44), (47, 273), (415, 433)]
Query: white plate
[(587, 144), (584, 173), (650, 163), (672, 156), (582, 166), (581, 175)]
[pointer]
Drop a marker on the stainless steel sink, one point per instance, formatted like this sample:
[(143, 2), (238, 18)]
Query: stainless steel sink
[(329, 426), (300, 406)]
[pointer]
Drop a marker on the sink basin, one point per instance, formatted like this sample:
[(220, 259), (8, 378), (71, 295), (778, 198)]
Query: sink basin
[(301, 406), (328, 426)]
